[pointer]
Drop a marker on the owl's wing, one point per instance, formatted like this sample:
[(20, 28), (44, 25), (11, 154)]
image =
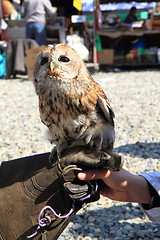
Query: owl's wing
[(94, 97), (104, 105)]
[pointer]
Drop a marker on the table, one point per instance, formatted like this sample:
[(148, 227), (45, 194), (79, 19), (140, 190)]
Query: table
[(122, 41), (116, 36)]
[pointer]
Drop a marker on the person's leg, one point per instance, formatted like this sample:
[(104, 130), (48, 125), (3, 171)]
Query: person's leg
[(39, 34), (29, 30)]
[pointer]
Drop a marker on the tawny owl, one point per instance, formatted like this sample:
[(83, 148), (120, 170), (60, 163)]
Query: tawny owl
[(71, 103)]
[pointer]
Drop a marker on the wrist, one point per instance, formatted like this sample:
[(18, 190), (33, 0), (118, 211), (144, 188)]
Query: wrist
[(140, 190), (154, 198)]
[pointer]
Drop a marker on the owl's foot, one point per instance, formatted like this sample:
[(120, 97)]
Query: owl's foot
[(76, 159), (84, 158), (111, 160)]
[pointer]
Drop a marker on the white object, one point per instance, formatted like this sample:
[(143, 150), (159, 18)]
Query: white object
[(3, 24), (77, 43), (78, 19)]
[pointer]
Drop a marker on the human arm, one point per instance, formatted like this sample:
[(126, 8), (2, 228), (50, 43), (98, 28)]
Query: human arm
[(120, 186), (48, 8), (23, 9), (126, 187)]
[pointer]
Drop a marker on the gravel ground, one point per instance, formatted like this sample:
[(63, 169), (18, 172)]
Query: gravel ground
[(134, 97)]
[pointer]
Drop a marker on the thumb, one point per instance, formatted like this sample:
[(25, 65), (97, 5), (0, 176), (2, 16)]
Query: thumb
[(93, 174)]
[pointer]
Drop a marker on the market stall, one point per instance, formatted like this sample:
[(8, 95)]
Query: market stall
[(118, 41)]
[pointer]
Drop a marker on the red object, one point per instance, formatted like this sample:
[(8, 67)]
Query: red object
[(3, 32)]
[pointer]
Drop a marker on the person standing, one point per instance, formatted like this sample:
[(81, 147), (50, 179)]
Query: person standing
[(131, 17), (35, 13)]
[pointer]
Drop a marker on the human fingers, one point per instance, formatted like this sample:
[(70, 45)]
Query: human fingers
[(104, 189), (117, 180), (94, 174)]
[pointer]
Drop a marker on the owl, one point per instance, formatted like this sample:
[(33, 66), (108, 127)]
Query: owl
[(71, 103)]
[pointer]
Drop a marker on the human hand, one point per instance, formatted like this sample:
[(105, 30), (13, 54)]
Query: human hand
[(120, 186)]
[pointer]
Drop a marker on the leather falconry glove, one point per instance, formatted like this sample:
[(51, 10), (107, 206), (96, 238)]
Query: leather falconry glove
[(35, 192), (77, 159)]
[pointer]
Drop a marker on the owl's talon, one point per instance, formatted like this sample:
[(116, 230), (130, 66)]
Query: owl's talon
[(52, 155)]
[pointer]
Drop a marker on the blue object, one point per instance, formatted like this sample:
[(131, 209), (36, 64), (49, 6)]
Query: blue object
[(139, 44), (2, 64), (35, 31)]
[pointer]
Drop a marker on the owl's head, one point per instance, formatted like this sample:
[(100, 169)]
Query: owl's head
[(58, 62)]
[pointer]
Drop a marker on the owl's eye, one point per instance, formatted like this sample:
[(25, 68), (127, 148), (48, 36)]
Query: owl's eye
[(44, 61), (63, 59)]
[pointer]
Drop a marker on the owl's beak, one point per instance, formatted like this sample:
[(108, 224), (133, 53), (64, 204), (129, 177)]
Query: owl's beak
[(52, 66)]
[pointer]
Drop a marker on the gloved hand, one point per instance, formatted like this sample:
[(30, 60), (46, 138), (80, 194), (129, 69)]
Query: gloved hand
[(33, 199), (80, 158)]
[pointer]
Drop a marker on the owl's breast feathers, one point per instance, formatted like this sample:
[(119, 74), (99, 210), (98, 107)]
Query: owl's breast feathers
[(79, 98)]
